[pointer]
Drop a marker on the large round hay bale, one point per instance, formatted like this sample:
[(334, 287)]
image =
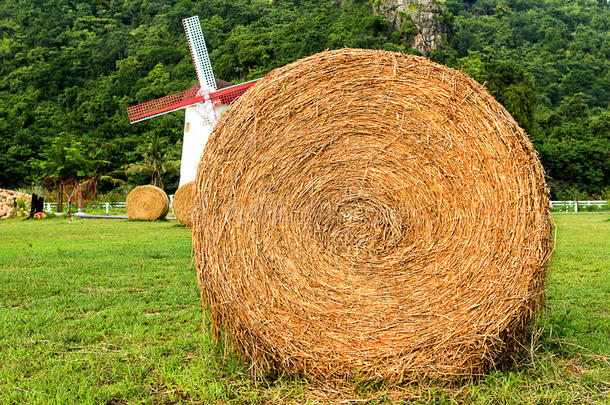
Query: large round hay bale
[(147, 202), (182, 204), (372, 215)]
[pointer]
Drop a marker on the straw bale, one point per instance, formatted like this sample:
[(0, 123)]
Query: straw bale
[(182, 204), (147, 202), (372, 215)]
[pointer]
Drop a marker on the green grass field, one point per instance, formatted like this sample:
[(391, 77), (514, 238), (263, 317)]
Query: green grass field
[(96, 311)]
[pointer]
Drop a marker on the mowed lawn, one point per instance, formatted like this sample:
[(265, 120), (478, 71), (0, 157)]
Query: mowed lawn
[(97, 311)]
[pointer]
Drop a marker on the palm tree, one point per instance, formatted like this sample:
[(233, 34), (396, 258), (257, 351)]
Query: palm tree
[(155, 160)]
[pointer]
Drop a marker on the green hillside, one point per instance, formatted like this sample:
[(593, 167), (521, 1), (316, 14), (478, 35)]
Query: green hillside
[(70, 68)]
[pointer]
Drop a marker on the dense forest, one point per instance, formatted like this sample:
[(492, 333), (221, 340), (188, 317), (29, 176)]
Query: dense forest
[(71, 67)]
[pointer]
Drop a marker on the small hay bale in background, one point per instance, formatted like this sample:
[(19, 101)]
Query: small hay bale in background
[(147, 202), (371, 214), (182, 204)]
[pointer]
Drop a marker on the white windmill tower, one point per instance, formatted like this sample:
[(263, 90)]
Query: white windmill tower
[(203, 103)]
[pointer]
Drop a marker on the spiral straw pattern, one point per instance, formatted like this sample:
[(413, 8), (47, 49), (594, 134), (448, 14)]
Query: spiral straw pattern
[(370, 214), (147, 202), (182, 204)]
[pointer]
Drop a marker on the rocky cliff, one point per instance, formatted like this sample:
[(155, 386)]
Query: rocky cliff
[(425, 15)]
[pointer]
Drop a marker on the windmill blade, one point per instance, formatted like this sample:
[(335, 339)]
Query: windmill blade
[(229, 94), (199, 53), (164, 105)]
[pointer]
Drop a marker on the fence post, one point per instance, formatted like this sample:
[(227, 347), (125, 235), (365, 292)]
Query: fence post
[(107, 207), (576, 206)]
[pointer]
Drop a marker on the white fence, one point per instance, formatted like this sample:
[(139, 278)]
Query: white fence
[(573, 205), (567, 205), (104, 205), (107, 205)]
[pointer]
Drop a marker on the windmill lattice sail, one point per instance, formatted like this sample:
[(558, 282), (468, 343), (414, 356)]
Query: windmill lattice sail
[(229, 94), (199, 53), (205, 91), (204, 103), (164, 105), (183, 99)]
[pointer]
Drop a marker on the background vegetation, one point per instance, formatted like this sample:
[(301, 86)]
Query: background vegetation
[(71, 67)]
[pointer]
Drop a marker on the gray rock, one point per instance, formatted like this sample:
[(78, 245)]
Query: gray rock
[(425, 14)]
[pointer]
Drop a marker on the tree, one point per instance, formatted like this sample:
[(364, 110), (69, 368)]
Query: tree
[(74, 66), (156, 160), (514, 88), (67, 159)]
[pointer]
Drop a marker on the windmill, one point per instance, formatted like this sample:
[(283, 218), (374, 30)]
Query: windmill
[(204, 103)]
